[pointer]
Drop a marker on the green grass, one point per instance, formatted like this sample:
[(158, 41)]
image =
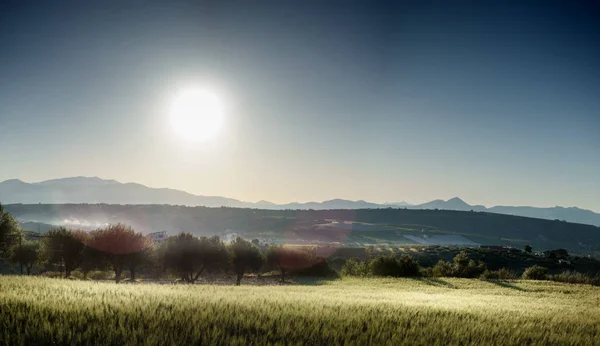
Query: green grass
[(348, 311)]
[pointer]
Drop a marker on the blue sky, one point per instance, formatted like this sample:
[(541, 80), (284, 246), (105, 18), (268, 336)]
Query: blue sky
[(497, 103)]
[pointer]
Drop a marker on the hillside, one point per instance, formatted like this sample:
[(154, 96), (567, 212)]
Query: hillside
[(349, 227)]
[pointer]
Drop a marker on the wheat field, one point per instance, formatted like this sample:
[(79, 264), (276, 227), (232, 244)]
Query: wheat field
[(39, 311)]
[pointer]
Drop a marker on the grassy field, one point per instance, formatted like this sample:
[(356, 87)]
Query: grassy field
[(347, 311)]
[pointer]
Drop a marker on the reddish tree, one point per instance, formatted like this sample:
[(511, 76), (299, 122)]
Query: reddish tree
[(289, 258), (118, 243)]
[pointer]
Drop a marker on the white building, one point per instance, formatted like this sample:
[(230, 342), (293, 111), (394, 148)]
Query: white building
[(158, 237)]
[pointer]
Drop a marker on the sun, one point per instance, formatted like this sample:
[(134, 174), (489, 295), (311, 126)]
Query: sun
[(197, 115)]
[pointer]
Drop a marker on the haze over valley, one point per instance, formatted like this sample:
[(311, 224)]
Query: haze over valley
[(93, 190)]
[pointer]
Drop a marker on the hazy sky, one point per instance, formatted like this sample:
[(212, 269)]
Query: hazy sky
[(497, 103)]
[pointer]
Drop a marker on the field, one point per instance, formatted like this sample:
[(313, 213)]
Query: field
[(348, 311)]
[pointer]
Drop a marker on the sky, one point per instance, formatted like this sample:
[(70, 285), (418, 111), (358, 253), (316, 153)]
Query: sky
[(496, 102)]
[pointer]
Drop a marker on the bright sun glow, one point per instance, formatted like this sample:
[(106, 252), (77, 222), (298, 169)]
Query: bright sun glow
[(197, 115)]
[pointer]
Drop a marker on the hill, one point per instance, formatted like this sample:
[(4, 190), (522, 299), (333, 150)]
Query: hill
[(342, 226)]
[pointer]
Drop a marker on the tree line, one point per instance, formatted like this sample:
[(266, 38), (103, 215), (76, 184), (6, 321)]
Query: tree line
[(120, 248), (461, 267)]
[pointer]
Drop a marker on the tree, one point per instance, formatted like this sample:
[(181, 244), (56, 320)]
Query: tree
[(135, 260), (119, 243), (384, 266), (354, 267), (189, 256), (27, 254), (245, 257), (64, 247), (287, 258), (10, 232), (443, 269), (405, 266), (528, 248), (93, 259), (464, 267)]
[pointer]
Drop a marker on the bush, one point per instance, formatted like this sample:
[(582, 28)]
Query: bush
[(535, 273), (319, 269), (464, 267), (77, 274), (408, 266), (384, 266), (355, 268), (427, 272), (443, 269), (502, 274), (52, 274), (572, 278), (390, 266)]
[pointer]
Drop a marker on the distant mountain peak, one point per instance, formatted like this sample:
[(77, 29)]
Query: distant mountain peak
[(13, 181), (263, 202), (457, 202), (78, 180), (456, 199)]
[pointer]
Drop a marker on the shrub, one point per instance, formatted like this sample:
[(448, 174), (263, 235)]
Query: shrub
[(464, 267), (502, 274), (391, 266), (77, 274), (443, 268), (319, 269), (408, 266), (99, 275), (52, 274), (427, 272), (355, 268), (535, 273), (572, 278), (384, 266), (507, 274)]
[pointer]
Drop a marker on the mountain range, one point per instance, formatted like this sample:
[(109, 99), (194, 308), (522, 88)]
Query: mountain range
[(96, 190)]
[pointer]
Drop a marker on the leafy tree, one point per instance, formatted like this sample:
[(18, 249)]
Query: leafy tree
[(189, 256), (245, 257), (136, 260), (465, 267), (119, 243), (27, 254), (384, 266), (353, 267), (10, 232), (391, 266), (64, 247), (527, 248), (93, 260), (408, 266), (443, 269), (287, 258)]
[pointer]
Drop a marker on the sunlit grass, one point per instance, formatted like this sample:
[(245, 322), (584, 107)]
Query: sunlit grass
[(360, 311)]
